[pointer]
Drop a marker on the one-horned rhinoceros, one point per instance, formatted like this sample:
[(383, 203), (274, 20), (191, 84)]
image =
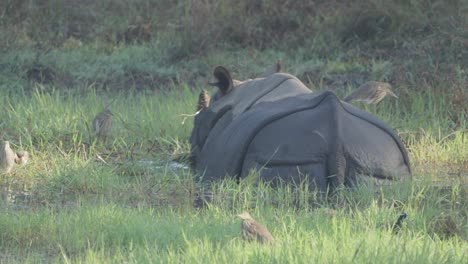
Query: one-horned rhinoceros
[(278, 127)]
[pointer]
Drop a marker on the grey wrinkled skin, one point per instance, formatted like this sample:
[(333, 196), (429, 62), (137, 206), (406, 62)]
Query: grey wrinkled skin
[(278, 127)]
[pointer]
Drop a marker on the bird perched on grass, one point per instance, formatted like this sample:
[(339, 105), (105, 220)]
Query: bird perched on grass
[(371, 93), (7, 157), (22, 157), (203, 100), (397, 226), (102, 124), (252, 230), (273, 69)]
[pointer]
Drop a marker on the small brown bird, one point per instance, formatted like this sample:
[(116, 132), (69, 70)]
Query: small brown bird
[(203, 100), (22, 157), (102, 124), (252, 230), (273, 69), (371, 93), (7, 157)]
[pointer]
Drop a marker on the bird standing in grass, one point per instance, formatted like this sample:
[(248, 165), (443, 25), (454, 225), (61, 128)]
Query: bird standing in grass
[(22, 157), (252, 230), (273, 69), (102, 124), (203, 100), (371, 93), (7, 157), (397, 226)]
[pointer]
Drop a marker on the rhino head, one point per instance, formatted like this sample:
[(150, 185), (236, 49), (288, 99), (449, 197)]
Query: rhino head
[(234, 97), (226, 84)]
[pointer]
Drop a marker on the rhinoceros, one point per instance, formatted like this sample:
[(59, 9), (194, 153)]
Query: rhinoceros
[(278, 127)]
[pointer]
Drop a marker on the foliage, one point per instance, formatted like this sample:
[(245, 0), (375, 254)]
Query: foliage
[(83, 200)]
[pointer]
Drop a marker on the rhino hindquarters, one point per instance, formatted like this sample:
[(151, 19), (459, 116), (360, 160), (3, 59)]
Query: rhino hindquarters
[(291, 150), (372, 148)]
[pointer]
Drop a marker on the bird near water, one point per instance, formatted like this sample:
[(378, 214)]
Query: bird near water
[(278, 67), (371, 92), (102, 124), (203, 100), (254, 231), (22, 157), (7, 157), (397, 226)]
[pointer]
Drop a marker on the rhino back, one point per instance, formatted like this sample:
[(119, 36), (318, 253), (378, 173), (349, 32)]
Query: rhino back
[(227, 145), (273, 88), (299, 135)]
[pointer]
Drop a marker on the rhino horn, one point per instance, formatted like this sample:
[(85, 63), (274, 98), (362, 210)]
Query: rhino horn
[(203, 100), (224, 80)]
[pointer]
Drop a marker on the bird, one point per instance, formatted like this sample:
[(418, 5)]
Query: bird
[(252, 230), (22, 157), (277, 67), (7, 157), (397, 226), (203, 100), (102, 124), (371, 92)]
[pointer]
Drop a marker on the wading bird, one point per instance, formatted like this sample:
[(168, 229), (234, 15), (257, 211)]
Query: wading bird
[(7, 157), (22, 157), (203, 100), (397, 226), (273, 69), (371, 93), (102, 124), (252, 230)]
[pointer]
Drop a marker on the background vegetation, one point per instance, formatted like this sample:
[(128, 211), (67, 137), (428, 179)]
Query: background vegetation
[(82, 200)]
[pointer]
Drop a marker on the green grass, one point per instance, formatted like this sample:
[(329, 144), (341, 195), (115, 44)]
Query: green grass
[(354, 231), (80, 200)]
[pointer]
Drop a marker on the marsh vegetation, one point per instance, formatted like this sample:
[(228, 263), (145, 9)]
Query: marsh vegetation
[(80, 199)]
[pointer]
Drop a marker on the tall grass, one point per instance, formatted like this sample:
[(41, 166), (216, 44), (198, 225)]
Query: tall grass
[(83, 200), (353, 231)]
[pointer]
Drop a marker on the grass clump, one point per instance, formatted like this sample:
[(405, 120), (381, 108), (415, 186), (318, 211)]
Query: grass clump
[(445, 226)]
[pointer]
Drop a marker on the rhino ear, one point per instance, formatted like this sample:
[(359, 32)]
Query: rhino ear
[(203, 100), (223, 80)]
